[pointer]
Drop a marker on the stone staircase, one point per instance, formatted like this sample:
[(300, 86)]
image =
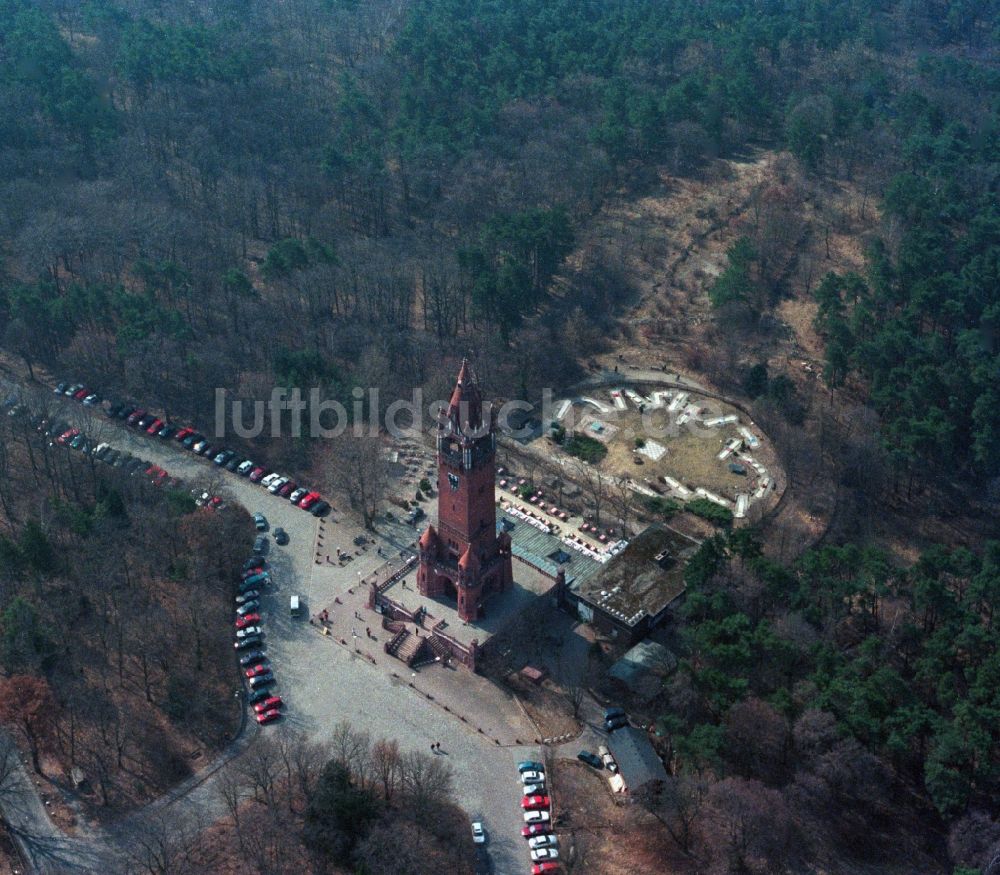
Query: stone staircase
[(406, 647)]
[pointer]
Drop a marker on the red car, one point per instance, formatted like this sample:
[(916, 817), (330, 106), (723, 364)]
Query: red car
[(214, 503), (83, 393), (534, 803), (269, 704), (160, 478), (183, 433), (256, 474), (287, 489), (248, 620), (263, 668), (545, 868), (308, 500), (536, 829), (155, 426), (67, 436), (134, 417), (268, 716)]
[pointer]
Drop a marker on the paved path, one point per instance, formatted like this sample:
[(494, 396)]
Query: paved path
[(321, 683)]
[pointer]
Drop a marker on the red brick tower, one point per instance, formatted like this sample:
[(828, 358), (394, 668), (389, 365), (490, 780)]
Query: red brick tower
[(464, 558)]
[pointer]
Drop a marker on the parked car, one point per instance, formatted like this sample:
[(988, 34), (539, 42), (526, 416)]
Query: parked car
[(262, 578), (67, 436), (189, 442), (611, 713), (280, 537), (607, 759), (255, 696), (320, 508), (60, 388), (545, 841), (530, 766), (251, 586), (262, 680), (101, 450), (73, 389), (268, 716), (185, 432), (250, 607), (530, 803), (251, 595), (252, 658), (126, 411), (257, 562), (268, 704), (532, 789), (208, 452), (269, 479), (198, 446), (248, 630), (615, 723), (247, 620), (540, 854), (167, 432), (233, 463), (478, 833), (260, 545), (224, 457), (532, 776), (545, 869), (135, 416), (276, 485), (256, 670), (298, 495), (144, 421), (309, 500), (83, 393), (77, 442), (260, 522), (249, 641), (536, 829), (537, 817), (256, 569), (591, 760), (256, 474), (92, 399), (155, 426), (245, 467), (286, 489)]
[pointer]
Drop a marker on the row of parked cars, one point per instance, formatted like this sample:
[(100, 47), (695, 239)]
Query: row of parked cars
[(250, 641), (142, 420), (543, 844)]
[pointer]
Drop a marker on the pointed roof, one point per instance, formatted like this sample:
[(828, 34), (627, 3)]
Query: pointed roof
[(466, 400), (429, 537), (468, 561)]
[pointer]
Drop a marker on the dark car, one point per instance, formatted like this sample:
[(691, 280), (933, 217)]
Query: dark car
[(126, 411), (144, 421), (321, 508), (167, 432), (252, 658), (616, 722), (233, 463), (260, 522), (115, 409), (261, 544), (590, 759), (611, 713), (262, 680), (255, 696), (112, 457), (191, 440), (287, 489), (280, 537), (249, 641)]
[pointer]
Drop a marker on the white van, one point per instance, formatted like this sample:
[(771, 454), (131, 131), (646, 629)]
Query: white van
[(295, 606)]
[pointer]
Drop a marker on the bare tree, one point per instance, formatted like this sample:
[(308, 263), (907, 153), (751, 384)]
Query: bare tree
[(359, 470)]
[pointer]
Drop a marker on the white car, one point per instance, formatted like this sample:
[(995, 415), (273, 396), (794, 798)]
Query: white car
[(297, 494), (536, 817), (533, 789), (277, 484), (532, 777), (245, 467), (547, 841), (478, 833), (249, 630), (91, 400), (539, 855), (269, 479)]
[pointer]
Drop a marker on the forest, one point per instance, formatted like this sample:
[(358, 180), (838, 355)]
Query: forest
[(339, 193)]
